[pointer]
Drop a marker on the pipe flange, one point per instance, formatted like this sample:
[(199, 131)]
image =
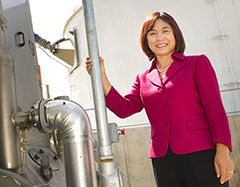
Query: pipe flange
[(43, 124), (105, 152)]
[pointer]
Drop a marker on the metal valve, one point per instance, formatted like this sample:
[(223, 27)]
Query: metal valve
[(121, 132), (115, 132)]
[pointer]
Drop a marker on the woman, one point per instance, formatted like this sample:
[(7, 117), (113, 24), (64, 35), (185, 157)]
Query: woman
[(189, 127)]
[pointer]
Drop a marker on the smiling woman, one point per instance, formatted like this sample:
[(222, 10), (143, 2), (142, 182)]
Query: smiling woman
[(165, 25), (161, 40), (190, 139), (158, 40)]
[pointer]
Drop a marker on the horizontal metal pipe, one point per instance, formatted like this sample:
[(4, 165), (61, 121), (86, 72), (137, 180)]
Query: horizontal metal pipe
[(23, 120)]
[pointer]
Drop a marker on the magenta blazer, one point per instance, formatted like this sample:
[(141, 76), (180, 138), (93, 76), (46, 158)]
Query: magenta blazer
[(185, 109)]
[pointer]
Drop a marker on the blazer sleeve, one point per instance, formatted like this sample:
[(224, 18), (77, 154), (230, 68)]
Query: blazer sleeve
[(211, 100), (127, 105)]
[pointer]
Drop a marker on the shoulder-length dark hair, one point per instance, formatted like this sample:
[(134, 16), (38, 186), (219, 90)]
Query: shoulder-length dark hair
[(149, 24)]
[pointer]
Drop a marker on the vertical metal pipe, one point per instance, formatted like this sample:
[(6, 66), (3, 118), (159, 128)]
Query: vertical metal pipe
[(105, 149), (45, 91), (2, 41), (9, 134), (109, 174), (73, 123), (76, 39)]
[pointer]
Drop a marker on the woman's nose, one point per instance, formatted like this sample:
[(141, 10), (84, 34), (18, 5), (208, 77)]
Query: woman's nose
[(159, 37)]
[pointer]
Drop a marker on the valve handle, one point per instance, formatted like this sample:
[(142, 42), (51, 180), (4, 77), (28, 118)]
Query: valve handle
[(122, 132)]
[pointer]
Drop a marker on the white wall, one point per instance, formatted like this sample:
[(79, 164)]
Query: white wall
[(211, 27)]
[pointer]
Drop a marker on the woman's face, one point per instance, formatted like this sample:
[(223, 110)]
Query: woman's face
[(161, 39)]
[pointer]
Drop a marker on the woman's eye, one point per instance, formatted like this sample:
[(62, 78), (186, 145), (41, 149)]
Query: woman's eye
[(165, 31), (152, 33)]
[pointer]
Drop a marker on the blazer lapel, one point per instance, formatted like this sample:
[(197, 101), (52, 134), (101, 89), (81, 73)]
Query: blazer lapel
[(173, 69), (154, 77), (176, 66)]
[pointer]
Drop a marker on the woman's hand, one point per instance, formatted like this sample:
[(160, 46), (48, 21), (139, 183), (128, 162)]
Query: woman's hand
[(89, 65), (223, 163), (106, 84)]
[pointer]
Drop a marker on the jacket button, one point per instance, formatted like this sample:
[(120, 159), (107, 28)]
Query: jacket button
[(166, 123), (164, 107)]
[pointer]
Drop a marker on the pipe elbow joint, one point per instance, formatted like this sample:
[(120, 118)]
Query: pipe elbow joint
[(66, 116), (73, 123)]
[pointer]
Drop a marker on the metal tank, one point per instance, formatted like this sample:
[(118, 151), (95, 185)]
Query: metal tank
[(17, 40), (210, 27), (20, 90), (27, 121)]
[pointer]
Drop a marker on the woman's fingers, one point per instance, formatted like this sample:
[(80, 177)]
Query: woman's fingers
[(101, 59), (223, 175), (226, 174), (88, 60), (230, 172), (223, 166), (102, 64), (89, 64), (217, 169)]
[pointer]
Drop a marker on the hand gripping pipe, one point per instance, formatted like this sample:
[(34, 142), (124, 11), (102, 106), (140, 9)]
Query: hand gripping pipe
[(109, 174), (74, 125)]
